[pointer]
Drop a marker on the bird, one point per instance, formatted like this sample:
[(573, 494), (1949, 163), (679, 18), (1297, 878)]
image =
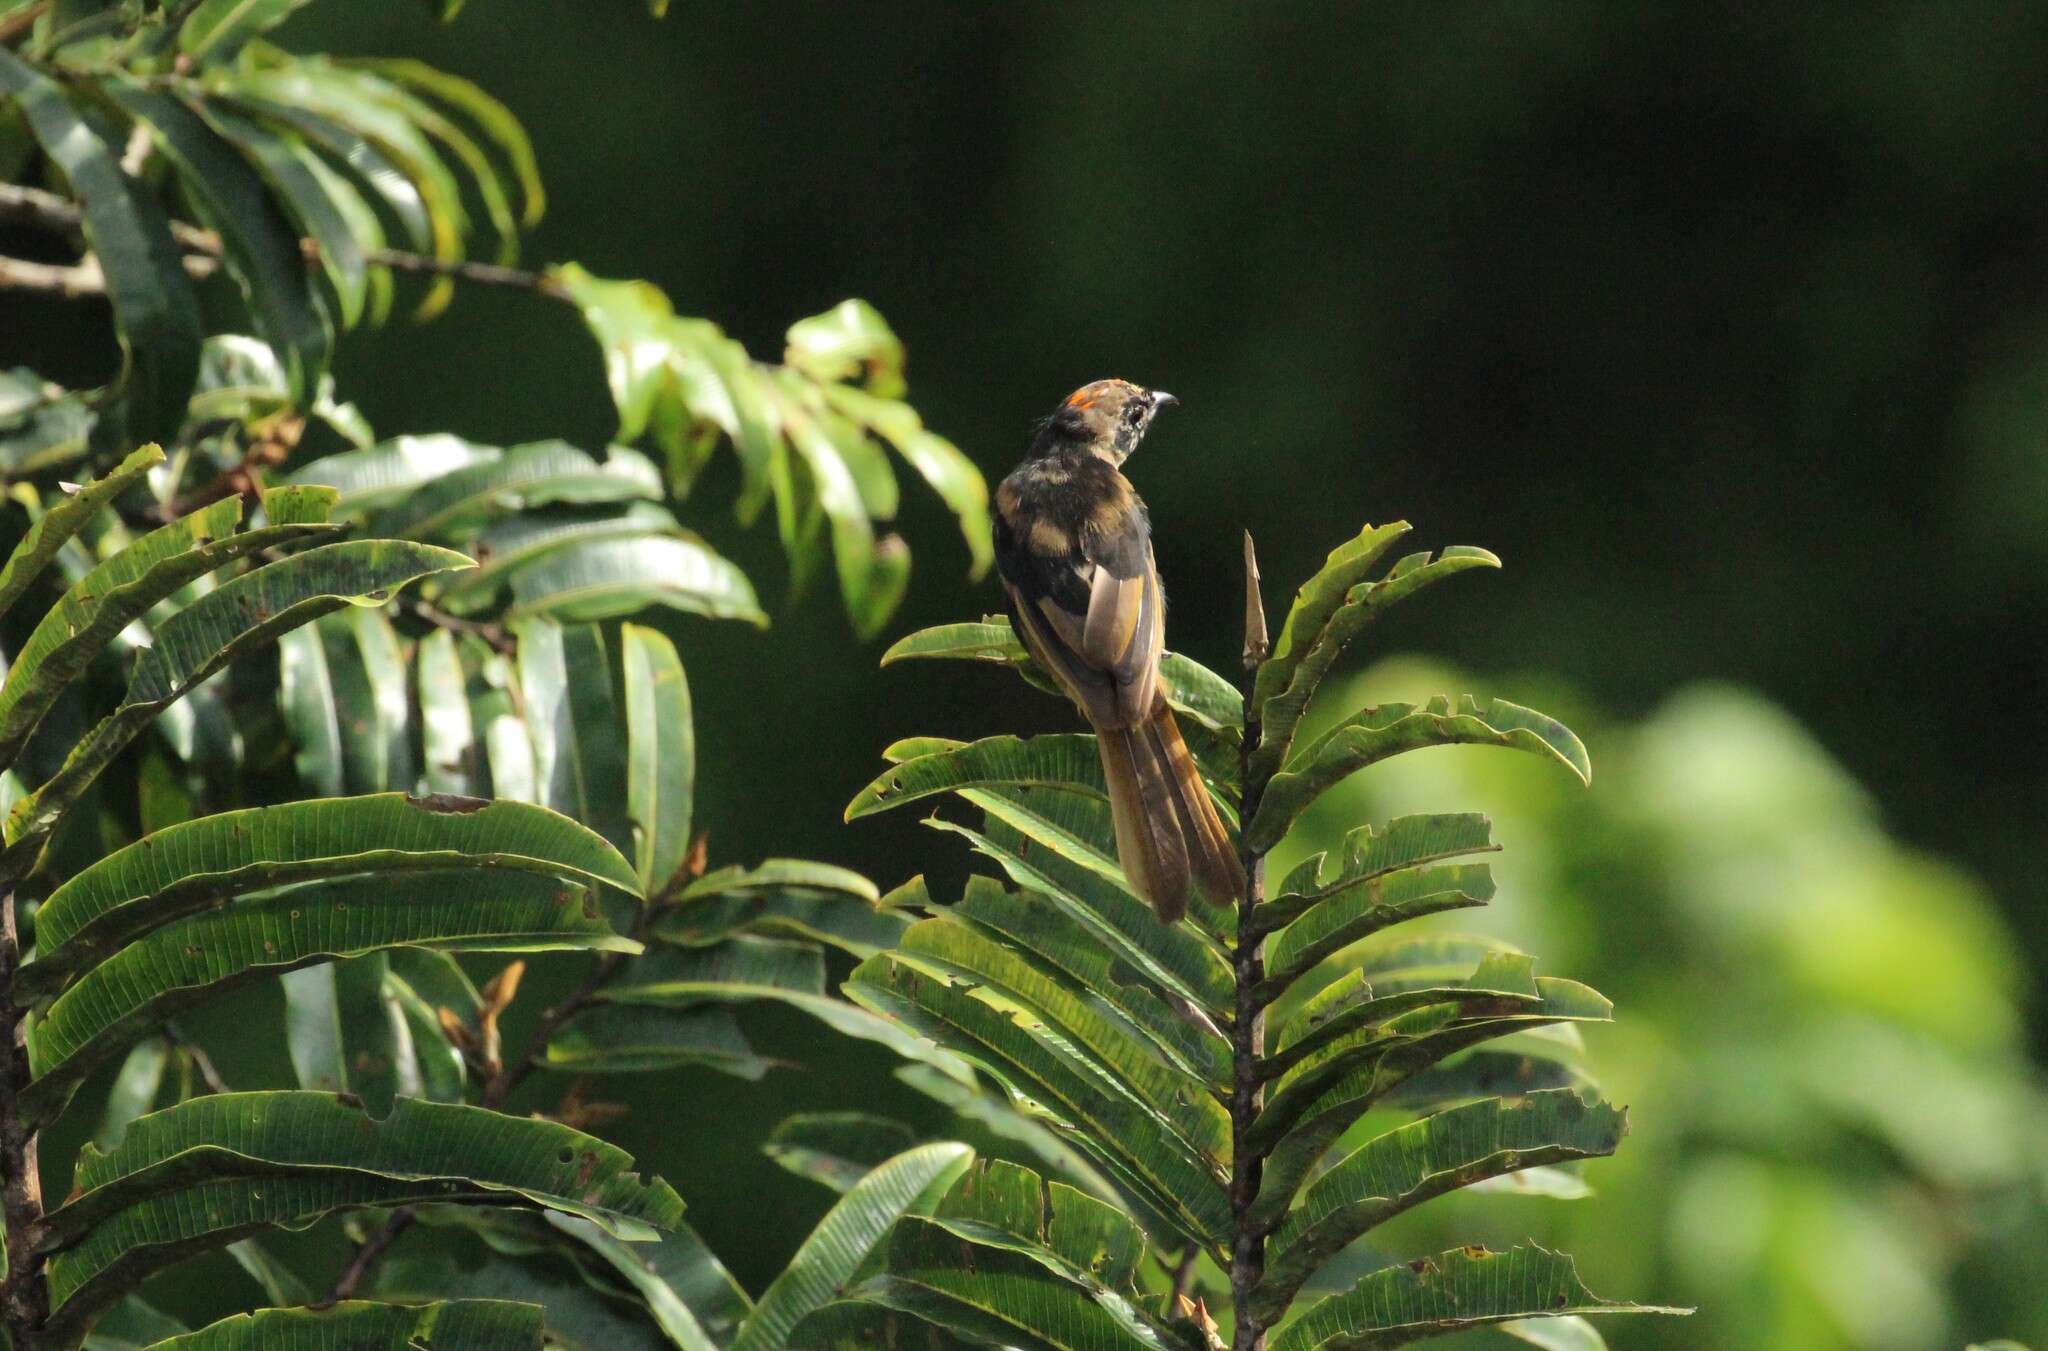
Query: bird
[(1073, 545)]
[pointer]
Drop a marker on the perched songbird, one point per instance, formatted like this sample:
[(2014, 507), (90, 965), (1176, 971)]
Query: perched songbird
[(1074, 547)]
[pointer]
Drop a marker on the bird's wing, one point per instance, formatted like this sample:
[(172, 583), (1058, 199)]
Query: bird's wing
[(1090, 608)]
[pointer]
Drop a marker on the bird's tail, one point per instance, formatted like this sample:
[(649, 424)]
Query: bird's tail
[(1168, 836)]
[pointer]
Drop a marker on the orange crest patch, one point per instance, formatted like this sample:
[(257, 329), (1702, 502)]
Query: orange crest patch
[(1088, 395)]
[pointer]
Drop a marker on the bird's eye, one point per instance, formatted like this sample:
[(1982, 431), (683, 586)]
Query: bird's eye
[(1133, 412)]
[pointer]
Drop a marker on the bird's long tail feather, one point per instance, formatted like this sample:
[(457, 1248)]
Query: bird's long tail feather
[(1168, 837)]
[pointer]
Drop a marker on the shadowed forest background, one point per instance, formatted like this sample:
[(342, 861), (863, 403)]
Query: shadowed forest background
[(1728, 333)]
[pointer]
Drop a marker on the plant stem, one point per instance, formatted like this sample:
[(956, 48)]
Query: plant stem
[(48, 211), (508, 1078), (1248, 1027), (24, 1298)]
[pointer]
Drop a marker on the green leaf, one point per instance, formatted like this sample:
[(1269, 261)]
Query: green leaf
[(494, 118), (542, 473), (1190, 687), (576, 1316), (156, 313), (132, 1325), (837, 1149), (347, 1033), (312, 1028), (587, 580), (1077, 830), (993, 1112), (1385, 730), (784, 897), (681, 1281), (443, 1073), (66, 518), (1186, 965), (982, 1280), (850, 1231), (850, 341), (1059, 944), (313, 198), (453, 759), (281, 1285), (376, 477), (450, 1325), (630, 1038), (856, 1325), (113, 595), (291, 504), (1320, 1101), (747, 968), (1364, 907), (187, 868), (399, 101), (1281, 708), (367, 694), (195, 959), (41, 425), (580, 756), (1410, 1164), (1462, 1288), (987, 1031), (1319, 598), (1370, 853), (337, 109), (517, 542), (217, 28), (214, 1169), (134, 1091), (1573, 1333), (1186, 1119), (191, 645), (258, 245), (1030, 1256), (367, 166), (661, 751), (1063, 760), (937, 461)]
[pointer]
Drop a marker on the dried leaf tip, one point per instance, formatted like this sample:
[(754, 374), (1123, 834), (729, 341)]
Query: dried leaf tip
[(1256, 644)]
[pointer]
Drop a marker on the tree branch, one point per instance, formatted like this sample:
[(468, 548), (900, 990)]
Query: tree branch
[(24, 1297), (48, 211), (509, 1077), (1248, 1028)]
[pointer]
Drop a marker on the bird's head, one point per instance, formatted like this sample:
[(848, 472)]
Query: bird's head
[(1106, 418)]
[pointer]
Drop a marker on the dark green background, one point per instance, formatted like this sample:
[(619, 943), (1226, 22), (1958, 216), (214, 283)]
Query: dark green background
[(1726, 327)]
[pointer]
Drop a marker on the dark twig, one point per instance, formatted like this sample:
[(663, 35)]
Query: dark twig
[(509, 1077), (202, 1063), (1184, 1275), (492, 633), (48, 211), (1248, 1027), (24, 1297)]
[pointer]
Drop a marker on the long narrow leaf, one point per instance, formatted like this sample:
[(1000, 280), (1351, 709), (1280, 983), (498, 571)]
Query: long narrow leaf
[(1389, 729), (1462, 1288), (189, 867), (204, 636), (68, 516), (196, 959), (836, 1249), (259, 245), (451, 1325), (156, 313), (1426, 1158)]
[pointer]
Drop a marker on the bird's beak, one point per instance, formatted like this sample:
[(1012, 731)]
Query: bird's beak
[(1161, 399)]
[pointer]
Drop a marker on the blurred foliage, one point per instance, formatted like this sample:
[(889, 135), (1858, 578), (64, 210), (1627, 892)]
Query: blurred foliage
[(1822, 1028)]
